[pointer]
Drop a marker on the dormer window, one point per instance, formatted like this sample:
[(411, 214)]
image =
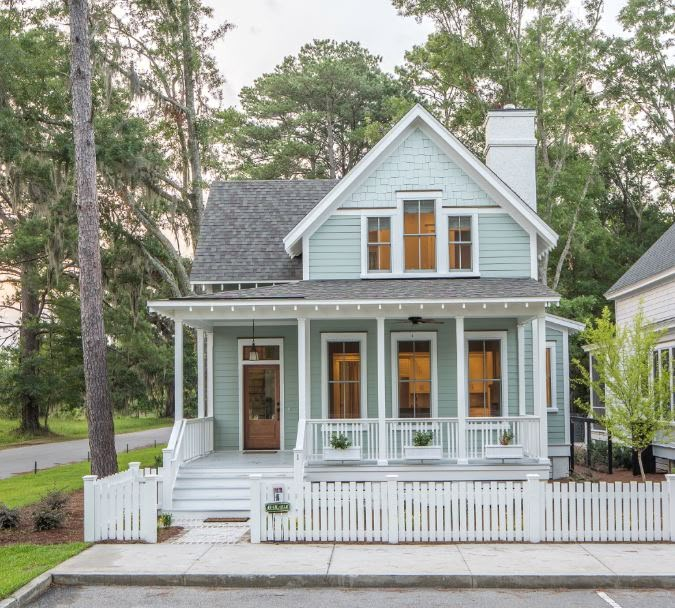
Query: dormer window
[(459, 243), (379, 244), (419, 235)]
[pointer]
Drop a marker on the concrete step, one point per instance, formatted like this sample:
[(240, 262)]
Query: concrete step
[(212, 504), (212, 484), (210, 493)]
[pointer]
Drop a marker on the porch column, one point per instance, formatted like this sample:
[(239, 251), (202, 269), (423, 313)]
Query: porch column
[(381, 394), (461, 392), (303, 368), (521, 368), (540, 376), (201, 400), (178, 369), (209, 373)]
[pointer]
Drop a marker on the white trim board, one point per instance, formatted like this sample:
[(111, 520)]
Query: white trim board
[(362, 339), (418, 117)]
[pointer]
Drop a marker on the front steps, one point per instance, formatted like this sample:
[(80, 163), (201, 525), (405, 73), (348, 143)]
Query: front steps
[(203, 492)]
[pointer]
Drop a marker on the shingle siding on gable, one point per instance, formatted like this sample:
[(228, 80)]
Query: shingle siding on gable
[(504, 247), (418, 163), (335, 249)]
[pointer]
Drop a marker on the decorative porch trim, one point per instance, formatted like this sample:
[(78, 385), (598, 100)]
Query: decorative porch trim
[(362, 339)]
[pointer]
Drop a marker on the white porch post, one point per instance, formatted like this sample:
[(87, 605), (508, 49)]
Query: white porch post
[(303, 368), (521, 368), (178, 369), (461, 392), (381, 394), (540, 377), (209, 373), (201, 400)]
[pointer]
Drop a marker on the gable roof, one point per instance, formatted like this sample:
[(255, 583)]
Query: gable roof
[(656, 263), (241, 236), (418, 117)]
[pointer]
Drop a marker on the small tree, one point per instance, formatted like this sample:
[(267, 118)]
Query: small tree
[(637, 396)]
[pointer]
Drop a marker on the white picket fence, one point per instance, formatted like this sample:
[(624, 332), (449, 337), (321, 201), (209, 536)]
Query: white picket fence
[(460, 511), (122, 506)]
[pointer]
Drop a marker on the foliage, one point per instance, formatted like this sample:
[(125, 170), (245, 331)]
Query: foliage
[(165, 520), (50, 511), (506, 437), (422, 439), (22, 563), (637, 397), (340, 441), (9, 518)]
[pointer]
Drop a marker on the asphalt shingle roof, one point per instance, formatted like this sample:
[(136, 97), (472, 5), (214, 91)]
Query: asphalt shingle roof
[(657, 259), (241, 236), (383, 289)]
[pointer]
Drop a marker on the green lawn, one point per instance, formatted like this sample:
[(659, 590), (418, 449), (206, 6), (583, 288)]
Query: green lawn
[(21, 490), (67, 428), (22, 563)]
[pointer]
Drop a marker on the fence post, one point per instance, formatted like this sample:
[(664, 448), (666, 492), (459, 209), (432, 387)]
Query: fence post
[(89, 509), (670, 489), (148, 512), (167, 479), (532, 508), (256, 504), (392, 507)]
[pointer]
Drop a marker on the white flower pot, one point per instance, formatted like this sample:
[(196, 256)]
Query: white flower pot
[(504, 451), (333, 454), (422, 452)]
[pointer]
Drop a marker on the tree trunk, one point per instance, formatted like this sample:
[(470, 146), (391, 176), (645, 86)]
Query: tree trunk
[(98, 402), (331, 145), (170, 403), (28, 351), (642, 468)]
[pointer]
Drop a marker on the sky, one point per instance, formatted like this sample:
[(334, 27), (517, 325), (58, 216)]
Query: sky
[(268, 30)]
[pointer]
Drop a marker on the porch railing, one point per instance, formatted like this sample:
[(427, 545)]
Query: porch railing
[(361, 432), (481, 432), (401, 433)]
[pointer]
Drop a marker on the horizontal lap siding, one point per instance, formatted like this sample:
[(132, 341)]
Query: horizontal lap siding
[(504, 247), (656, 302), (556, 421), (335, 249), (226, 382)]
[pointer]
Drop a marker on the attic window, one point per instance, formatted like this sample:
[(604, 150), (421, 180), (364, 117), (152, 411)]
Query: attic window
[(379, 244), (419, 235), (459, 243)]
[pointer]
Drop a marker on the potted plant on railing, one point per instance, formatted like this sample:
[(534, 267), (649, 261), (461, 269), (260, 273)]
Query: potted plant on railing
[(423, 447), (341, 448), (505, 448)]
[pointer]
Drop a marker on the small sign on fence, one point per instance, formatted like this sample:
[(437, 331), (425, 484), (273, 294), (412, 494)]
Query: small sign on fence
[(277, 507)]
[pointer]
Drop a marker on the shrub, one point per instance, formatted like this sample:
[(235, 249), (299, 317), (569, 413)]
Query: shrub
[(9, 518), (50, 512), (165, 520), (422, 439), (340, 441), (56, 499)]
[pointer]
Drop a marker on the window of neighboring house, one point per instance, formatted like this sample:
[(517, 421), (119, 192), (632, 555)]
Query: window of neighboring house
[(459, 243), (664, 359), (419, 235), (379, 244), (344, 378), (551, 396), (414, 378), (485, 377)]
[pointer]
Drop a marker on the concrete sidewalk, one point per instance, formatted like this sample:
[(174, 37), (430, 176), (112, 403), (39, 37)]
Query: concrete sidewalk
[(461, 565)]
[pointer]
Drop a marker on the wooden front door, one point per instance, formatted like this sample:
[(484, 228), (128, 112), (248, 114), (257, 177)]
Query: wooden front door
[(262, 407)]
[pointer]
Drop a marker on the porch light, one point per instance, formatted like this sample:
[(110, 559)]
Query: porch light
[(253, 353)]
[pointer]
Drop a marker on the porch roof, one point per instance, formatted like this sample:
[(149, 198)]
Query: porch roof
[(442, 289)]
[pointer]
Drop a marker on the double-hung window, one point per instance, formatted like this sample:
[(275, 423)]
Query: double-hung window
[(664, 362), (344, 375), (419, 235), (379, 244), (414, 374), (551, 376), (460, 243), (485, 375)]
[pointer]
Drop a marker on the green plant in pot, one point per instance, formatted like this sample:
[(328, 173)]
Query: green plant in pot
[(422, 439), (340, 441), (506, 438)]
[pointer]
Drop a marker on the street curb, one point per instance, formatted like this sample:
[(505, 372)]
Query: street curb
[(29, 592), (451, 581)]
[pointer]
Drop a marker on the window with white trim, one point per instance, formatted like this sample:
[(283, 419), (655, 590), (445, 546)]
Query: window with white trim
[(551, 377), (664, 360), (414, 374), (486, 373), (460, 254), (344, 375), (419, 235), (379, 244)]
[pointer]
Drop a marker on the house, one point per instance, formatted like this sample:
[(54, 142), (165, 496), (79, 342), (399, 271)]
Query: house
[(399, 300), (650, 284)]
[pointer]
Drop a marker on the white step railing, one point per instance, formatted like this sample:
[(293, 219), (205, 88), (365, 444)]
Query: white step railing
[(121, 506), (361, 432), (401, 433), (482, 432)]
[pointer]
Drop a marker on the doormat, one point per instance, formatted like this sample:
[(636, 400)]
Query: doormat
[(226, 520)]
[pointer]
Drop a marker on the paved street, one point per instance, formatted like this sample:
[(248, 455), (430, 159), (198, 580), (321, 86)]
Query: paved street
[(196, 597), (22, 460)]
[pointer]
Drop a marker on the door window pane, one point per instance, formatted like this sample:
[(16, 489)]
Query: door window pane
[(485, 378), (379, 244), (459, 243), (419, 235), (414, 378), (262, 392), (268, 352), (344, 379)]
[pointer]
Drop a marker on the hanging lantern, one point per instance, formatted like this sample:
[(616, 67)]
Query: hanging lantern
[(253, 353)]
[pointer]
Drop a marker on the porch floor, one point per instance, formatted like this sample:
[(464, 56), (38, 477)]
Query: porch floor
[(234, 459)]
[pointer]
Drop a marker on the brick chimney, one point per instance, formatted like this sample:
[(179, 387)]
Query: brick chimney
[(510, 147)]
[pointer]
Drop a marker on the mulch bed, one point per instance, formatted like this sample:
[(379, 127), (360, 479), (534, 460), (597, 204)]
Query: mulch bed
[(71, 532), (617, 475)]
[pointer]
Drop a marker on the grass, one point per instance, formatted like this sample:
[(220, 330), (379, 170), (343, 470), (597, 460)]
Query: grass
[(22, 490), (61, 429), (22, 563)]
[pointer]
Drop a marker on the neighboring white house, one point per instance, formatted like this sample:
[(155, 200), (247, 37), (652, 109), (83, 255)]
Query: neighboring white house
[(650, 284), (400, 299)]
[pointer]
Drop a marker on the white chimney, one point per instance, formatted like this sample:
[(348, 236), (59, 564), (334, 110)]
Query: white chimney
[(510, 147)]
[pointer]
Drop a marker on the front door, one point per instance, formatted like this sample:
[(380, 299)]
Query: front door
[(262, 407)]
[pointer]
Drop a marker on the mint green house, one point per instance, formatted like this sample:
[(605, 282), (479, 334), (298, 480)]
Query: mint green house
[(395, 307)]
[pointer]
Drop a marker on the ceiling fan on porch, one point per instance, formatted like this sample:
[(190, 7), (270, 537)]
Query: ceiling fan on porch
[(420, 320)]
